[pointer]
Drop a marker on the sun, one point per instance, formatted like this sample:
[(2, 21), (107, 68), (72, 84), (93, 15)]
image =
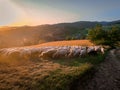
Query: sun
[(22, 22)]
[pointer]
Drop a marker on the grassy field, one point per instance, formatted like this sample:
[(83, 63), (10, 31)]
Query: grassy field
[(68, 43), (48, 74), (75, 68)]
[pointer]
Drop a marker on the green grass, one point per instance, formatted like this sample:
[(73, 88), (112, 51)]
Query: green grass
[(75, 69), (61, 79), (94, 60)]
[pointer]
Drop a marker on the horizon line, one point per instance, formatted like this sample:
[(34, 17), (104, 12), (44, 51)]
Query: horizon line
[(2, 26)]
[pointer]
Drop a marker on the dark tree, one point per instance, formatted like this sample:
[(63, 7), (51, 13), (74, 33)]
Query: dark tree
[(105, 37)]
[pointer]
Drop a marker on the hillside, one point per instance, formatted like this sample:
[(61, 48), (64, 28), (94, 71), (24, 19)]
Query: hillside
[(69, 43), (31, 35), (31, 72)]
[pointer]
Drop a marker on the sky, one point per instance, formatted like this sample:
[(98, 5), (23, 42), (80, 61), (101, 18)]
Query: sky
[(37, 12)]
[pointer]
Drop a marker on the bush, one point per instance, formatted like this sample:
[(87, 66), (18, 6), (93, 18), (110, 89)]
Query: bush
[(100, 36)]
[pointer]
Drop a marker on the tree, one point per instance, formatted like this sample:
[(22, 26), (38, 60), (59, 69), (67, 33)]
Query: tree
[(97, 34), (113, 36), (105, 37)]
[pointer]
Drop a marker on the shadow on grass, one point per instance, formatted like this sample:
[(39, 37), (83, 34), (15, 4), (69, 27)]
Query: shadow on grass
[(61, 78), (78, 72), (94, 60)]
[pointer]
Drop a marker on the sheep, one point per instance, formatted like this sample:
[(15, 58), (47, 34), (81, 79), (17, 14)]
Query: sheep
[(73, 51), (83, 52), (7, 52), (14, 55), (25, 53), (99, 49), (48, 53), (77, 52), (91, 50), (2, 52), (35, 52), (102, 50), (61, 53)]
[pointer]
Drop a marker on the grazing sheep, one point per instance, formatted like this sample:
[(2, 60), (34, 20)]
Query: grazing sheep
[(48, 53), (67, 48), (77, 52), (91, 51), (14, 55), (25, 53), (74, 51), (2, 52), (35, 52), (102, 50), (70, 52), (61, 53), (7, 52), (83, 52), (99, 49)]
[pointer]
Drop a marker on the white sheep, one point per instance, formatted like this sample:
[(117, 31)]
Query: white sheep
[(48, 53), (83, 52), (61, 53), (102, 50), (71, 51), (90, 49), (99, 49)]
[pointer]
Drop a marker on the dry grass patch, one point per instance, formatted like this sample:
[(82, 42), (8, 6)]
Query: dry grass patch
[(68, 43)]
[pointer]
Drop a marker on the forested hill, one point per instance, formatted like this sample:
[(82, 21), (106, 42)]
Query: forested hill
[(30, 35)]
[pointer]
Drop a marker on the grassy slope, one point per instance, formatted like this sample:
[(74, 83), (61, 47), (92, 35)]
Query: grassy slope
[(68, 43), (77, 68), (49, 74)]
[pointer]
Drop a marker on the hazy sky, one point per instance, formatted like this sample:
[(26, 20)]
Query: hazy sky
[(36, 12)]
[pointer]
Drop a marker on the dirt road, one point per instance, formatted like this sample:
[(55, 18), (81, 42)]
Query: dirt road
[(107, 76)]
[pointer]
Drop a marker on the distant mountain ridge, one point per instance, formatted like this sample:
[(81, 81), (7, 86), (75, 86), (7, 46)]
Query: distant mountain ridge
[(29, 35)]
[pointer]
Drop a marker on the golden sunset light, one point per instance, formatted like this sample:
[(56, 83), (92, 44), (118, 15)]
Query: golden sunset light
[(59, 44)]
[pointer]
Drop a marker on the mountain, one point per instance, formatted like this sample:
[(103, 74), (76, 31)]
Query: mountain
[(29, 35)]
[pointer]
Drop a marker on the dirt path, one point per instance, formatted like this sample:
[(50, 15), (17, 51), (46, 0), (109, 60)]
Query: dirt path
[(107, 76)]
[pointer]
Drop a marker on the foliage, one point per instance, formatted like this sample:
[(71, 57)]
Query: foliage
[(99, 35)]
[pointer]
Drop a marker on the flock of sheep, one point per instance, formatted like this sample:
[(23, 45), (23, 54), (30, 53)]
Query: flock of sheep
[(50, 52)]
